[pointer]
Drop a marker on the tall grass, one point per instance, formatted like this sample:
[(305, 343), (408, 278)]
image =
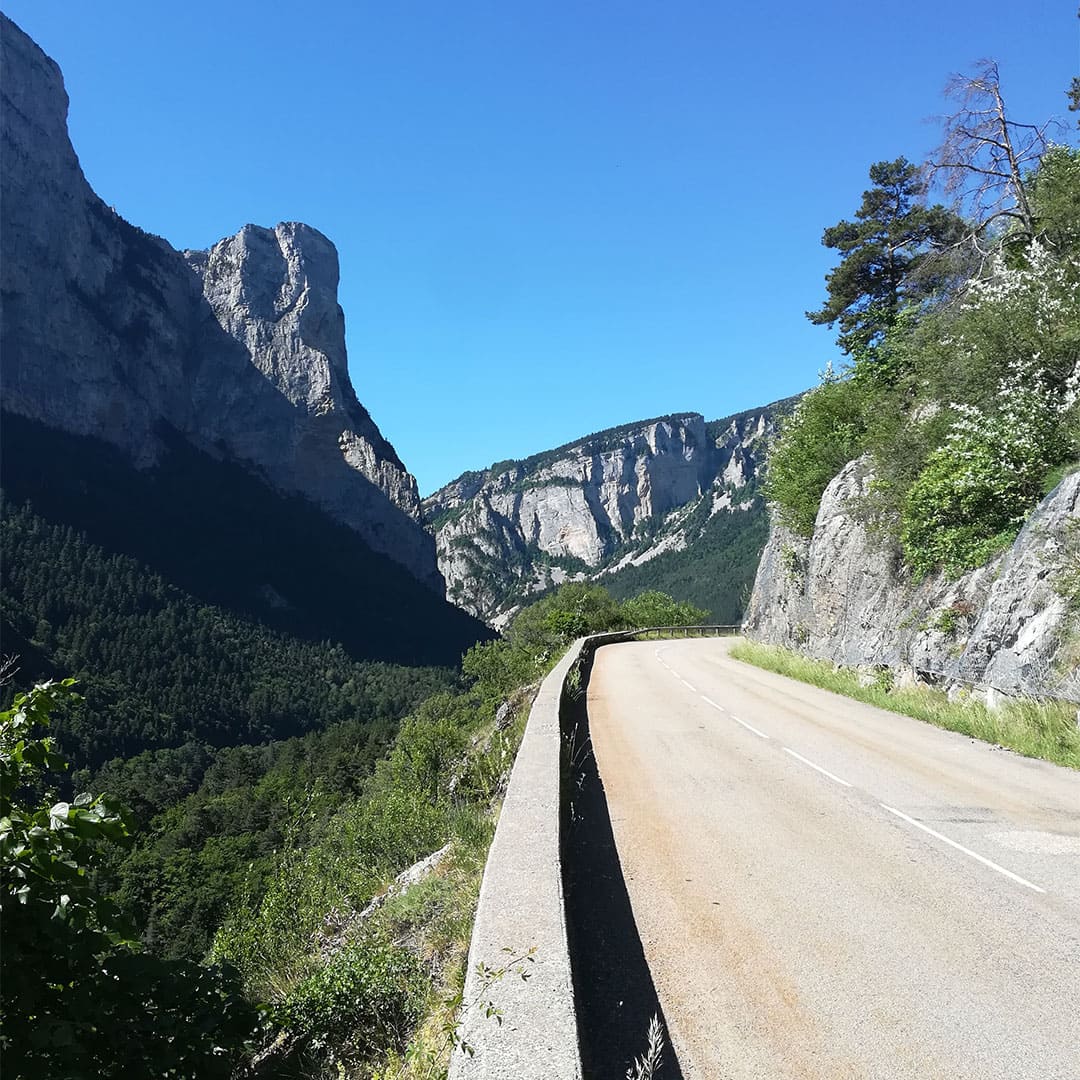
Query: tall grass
[(1036, 729)]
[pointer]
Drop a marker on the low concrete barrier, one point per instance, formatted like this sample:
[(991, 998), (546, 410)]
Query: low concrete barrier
[(521, 909)]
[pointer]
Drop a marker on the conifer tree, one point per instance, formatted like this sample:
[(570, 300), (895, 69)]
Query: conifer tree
[(886, 257)]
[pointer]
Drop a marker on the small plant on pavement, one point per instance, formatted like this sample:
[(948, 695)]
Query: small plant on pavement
[(646, 1066)]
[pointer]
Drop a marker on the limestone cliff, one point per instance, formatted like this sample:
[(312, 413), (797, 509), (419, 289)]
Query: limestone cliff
[(594, 507), (842, 595), (108, 331)]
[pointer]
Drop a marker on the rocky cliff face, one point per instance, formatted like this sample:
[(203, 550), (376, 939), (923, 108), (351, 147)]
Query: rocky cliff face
[(842, 596), (615, 499), (108, 331)]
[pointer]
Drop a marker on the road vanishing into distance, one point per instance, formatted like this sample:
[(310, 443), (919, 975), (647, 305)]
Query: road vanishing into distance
[(826, 890)]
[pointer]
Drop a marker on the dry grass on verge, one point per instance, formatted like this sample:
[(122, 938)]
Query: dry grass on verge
[(1046, 730)]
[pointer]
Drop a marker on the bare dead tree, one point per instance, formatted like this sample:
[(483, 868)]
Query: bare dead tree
[(9, 668), (1073, 93), (984, 155)]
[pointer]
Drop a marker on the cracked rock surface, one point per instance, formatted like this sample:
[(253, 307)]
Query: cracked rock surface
[(841, 596)]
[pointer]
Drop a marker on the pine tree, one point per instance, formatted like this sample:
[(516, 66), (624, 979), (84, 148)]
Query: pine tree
[(886, 262)]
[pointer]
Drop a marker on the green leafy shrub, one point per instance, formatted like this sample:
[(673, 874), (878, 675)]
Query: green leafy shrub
[(365, 1001), (573, 610), (826, 431), (960, 455), (658, 609), (81, 998), (500, 666)]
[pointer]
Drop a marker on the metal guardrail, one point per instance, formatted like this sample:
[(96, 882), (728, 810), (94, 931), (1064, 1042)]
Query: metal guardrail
[(682, 631)]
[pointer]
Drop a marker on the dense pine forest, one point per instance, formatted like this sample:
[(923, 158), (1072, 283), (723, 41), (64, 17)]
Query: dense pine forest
[(219, 533), (191, 715), (170, 671), (229, 647)]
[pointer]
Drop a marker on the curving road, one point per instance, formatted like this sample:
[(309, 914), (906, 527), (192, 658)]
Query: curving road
[(825, 890)]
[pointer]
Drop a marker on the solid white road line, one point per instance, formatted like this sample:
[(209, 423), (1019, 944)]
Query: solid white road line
[(824, 772), (689, 686), (710, 701), (960, 847)]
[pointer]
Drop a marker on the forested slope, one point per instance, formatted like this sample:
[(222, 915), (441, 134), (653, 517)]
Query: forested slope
[(715, 572), (215, 530), (192, 715)]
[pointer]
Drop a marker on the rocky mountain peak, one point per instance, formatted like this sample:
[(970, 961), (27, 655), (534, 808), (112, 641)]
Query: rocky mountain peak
[(109, 331), (275, 290)]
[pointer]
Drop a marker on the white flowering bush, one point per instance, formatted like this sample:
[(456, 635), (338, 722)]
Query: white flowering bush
[(1013, 315), (978, 488)]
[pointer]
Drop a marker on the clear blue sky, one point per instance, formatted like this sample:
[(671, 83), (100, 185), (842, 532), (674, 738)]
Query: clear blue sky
[(552, 217)]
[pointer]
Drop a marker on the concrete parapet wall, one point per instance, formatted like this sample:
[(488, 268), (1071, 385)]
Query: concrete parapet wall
[(521, 908)]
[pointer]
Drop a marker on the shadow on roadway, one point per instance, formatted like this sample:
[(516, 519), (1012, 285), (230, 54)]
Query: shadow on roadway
[(613, 989)]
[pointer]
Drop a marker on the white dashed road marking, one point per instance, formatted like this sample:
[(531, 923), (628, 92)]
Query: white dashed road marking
[(844, 783), (749, 727), (824, 772)]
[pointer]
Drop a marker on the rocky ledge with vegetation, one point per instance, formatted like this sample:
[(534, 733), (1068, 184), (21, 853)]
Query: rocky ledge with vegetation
[(926, 499)]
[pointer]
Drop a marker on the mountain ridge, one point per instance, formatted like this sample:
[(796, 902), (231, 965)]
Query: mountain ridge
[(596, 506)]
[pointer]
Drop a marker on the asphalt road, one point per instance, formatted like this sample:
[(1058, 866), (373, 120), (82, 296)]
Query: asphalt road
[(826, 890)]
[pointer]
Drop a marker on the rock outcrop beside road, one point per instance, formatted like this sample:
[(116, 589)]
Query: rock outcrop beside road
[(842, 595)]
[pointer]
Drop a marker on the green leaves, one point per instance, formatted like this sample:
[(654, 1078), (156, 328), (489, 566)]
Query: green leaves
[(655, 608), (364, 1001), (73, 978), (21, 757), (826, 431)]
